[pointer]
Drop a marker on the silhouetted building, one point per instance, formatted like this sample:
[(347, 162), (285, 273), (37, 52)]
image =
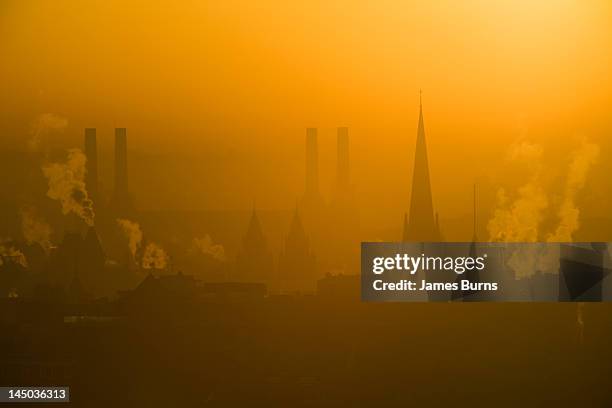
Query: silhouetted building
[(83, 259), (229, 292), (91, 152), (156, 295), (121, 200), (313, 208), (297, 268), (420, 225), (339, 288), (91, 260), (254, 261)]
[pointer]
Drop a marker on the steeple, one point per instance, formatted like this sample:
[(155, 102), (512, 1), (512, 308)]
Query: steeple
[(297, 270), (421, 223), (254, 262), (296, 239), (254, 239)]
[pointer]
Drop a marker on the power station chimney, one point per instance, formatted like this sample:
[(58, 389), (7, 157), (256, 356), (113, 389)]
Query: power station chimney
[(91, 152), (312, 163), (343, 170)]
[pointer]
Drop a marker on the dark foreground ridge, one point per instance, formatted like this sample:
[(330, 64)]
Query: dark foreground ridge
[(235, 347)]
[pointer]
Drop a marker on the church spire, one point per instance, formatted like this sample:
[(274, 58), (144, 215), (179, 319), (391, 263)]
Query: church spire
[(421, 222), (254, 238)]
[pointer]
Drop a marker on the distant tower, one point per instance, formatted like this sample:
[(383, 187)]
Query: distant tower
[(421, 223), (297, 270), (471, 275), (121, 197), (254, 261), (312, 206), (91, 152)]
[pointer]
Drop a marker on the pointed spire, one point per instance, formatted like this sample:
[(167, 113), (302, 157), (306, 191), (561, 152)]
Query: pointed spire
[(421, 226), (297, 234), (254, 238)]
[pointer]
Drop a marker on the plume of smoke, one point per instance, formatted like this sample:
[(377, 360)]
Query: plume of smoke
[(41, 127), (206, 246), (584, 158), (133, 233), (526, 261), (12, 253), (35, 229), (154, 257), (519, 220), (67, 185)]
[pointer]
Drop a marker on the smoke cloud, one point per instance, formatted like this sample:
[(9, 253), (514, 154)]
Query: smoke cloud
[(154, 257), (584, 159), (133, 233), (519, 220), (206, 246), (67, 185), (13, 254), (526, 261), (41, 127), (35, 229)]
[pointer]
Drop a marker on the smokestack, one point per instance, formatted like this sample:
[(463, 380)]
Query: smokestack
[(121, 174), (312, 163), (91, 152), (343, 170)]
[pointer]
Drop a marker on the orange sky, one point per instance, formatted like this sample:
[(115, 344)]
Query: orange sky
[(223, 90)]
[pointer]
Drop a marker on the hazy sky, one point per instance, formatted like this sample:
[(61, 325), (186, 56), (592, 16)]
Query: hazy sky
[(216, 95)]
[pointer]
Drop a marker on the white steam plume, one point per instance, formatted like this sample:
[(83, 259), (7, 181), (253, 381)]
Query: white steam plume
[(206, 246), (584, 158), (154, 257), (13, 254), (67, 185), (35, 229), (133, 233), (519, 220)]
